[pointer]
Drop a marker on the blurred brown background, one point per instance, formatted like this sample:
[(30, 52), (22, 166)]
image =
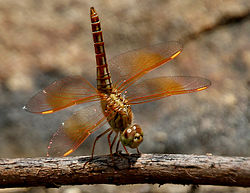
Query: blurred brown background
[(42, 41)]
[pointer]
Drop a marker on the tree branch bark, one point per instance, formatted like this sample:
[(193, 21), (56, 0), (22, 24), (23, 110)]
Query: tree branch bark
[(133, 169)]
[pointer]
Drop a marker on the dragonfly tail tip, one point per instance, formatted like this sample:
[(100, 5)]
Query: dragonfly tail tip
[(92, 11)]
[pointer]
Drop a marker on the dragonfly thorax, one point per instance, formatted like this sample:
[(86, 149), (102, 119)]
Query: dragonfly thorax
[(119, 115), (117, 110)]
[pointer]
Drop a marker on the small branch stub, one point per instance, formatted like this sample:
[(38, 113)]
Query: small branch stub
[(133, 169)]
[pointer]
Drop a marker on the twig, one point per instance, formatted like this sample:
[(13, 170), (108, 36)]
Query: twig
[(133, 169)]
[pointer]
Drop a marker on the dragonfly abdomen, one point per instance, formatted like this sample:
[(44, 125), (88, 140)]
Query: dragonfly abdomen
[(104, 83)]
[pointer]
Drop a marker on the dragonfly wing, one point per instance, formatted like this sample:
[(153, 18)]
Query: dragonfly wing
[(61, 94), (156, 88), (129, 67), (75, 130)]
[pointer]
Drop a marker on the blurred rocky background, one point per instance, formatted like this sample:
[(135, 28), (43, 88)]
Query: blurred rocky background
[(43, 40)]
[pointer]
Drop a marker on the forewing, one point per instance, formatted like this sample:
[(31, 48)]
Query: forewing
[(75, 130), (61, 94), (129, 67), (156, 88)]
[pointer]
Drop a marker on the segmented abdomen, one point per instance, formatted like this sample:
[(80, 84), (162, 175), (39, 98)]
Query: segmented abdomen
[(104, 83)]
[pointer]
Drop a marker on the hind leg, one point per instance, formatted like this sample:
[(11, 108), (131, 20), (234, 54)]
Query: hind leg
[(113, 142), (110, 145), (93, 148)]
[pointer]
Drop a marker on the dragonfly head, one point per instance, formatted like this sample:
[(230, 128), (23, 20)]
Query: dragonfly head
[(132, 136)]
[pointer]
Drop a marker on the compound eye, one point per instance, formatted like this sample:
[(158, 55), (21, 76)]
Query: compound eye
[(137, 129), (132, 136)]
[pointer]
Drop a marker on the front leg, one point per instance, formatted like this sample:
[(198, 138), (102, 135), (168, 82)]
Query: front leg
[(138, 151)]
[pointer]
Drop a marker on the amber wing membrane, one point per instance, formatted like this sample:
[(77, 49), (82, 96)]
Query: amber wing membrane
[(76, 129), (61, 94), (156, 88), (127, 68)]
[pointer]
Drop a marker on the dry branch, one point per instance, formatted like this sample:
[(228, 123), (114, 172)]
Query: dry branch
[(134, 169)]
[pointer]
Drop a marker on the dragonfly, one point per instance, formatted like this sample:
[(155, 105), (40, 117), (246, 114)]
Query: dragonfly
[(112, 99)]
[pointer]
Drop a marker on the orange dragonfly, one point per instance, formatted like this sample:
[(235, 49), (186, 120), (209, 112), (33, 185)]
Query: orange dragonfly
[(111, 102)]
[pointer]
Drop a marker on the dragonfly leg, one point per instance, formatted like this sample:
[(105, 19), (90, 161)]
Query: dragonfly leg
[(117, 146), (138, 151), (113, 142), (119, 153), (97, 138), (110, 146), (125, 149), (93, 148)]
